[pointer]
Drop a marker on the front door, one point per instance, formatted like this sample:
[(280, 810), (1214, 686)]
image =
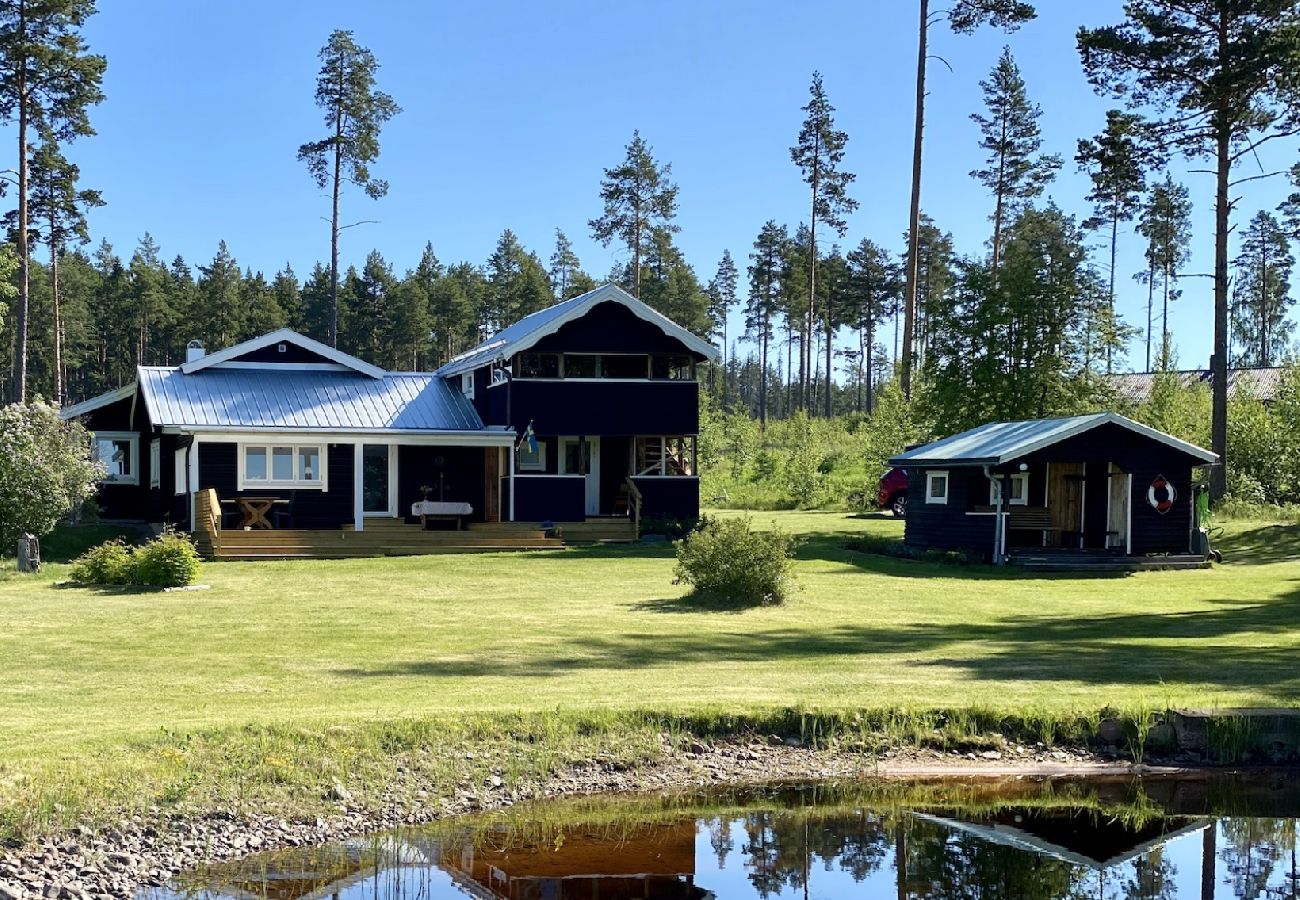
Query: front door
[(1117, 509), (581, 456), (1065, 500), (379, 480)]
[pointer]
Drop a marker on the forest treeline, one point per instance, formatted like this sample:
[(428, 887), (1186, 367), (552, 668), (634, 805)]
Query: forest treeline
[(810, 320)]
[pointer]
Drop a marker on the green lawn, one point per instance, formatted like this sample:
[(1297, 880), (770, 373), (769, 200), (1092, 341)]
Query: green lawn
[(315, 643)]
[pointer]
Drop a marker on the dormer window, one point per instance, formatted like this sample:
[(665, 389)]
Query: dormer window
[(672, 367), (467, 385), (539, 365), (581, 365)]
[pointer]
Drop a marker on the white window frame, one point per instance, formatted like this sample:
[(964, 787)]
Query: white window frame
[(134, 466), (316, 484), (532, 466), (155, 463), (467, 385), (181, 476), (930, 476), (1021, 478)]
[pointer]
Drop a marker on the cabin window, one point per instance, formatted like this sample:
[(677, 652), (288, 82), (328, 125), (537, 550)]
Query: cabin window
[(578, 365), (119, 452), (181, 476), (936, 487), (155, 464), (1019, 490), (528, 460), (467, 385), (281, 465), (665, 456), (539, 365), (672, 367), (621, 366)]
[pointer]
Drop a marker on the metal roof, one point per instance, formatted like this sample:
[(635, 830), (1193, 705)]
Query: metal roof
[(270, 398), (1001, 442), (532, 328), (1261, 383)]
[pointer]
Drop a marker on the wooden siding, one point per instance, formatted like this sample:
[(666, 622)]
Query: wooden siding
[(610, 328), (598, 407), (293, 353), (549, 499), (218, 469), (947, 526), (675, 498), (125, 502)]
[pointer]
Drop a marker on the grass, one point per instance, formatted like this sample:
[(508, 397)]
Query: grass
[(103, 694)]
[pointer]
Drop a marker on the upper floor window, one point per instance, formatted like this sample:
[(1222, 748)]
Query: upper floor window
[(630, 365), (672, 366), (639, 366), (539, 365), (581, 365), (119, 451)]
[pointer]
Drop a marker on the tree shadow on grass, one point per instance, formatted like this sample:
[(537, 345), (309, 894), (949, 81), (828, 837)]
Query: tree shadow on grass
[(1260, 546)]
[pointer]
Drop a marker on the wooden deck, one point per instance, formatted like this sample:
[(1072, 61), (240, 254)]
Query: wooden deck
[(393, 537), (1056, 560)]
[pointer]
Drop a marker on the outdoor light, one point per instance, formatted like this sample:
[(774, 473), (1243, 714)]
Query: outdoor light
[(1024, 467)]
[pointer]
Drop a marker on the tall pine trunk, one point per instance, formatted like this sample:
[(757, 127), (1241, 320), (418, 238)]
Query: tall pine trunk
[(334, 219), (1114, 250), (999, 208), (1219, 361), (636, 250), (871, 368), (24, 250), (805, 352), (830, 341), (914, 218), (762, 376), (1151, 302)]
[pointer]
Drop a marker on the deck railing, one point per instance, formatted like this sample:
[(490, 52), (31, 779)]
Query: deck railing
[(207, 513), (634, 507)]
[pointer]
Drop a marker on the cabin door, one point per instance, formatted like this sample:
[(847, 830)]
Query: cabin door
[(1117, 508), (581, 456), (1065, 500), (379, 480)]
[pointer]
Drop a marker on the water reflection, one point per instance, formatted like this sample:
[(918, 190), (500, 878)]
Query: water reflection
[(1111, 838)]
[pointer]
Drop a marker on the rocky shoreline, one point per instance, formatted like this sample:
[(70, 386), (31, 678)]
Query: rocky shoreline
[(139, 851)]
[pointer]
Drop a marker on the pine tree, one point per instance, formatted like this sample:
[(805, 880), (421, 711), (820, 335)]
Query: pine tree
[(639, 199), (151, 298), (355, 111), (1262, 294), (219, 319), (47, 80), (765, 273), (1222, 76), (1117, 165), (1166, 223), (935, 276), (819, 153), (670, 285), (318, 297), (288, 297), (875, 288), (262, 311), (566, 271), (406, 329), (1015, 171), (460, 297), (722, 299), (368, 317), (517, 284), (963, 17)]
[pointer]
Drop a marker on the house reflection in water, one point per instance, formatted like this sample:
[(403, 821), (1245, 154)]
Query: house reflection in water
[(656, 861)]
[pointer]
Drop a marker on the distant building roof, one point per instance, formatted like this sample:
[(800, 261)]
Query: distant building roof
[(234, 399), (1002, 442), (532, 328), (1135, 387)]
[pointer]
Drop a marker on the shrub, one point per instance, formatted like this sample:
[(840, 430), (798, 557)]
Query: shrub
[(169, 560), (725, 561), (109, 563), (46, 471)]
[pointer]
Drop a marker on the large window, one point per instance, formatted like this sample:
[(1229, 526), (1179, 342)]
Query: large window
[(1019, 490), (119, 451), (624, 366), (539, 365), (668, 456), (527, 460), (672, 366), (281, 465), (581, 365)]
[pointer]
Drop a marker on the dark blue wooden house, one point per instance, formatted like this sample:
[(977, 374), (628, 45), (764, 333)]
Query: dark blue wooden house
[(1055, 492), (586, 413)]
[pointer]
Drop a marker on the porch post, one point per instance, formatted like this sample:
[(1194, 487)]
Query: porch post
[(358, 494), (511, 517), (192, 479)]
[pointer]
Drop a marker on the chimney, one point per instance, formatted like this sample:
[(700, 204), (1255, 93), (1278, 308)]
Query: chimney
[(194, 350)]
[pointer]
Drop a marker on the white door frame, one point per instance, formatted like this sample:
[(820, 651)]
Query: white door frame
[(391, 511), (592, 503)]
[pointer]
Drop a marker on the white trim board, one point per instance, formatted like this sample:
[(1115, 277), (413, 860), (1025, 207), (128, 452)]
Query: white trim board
[(288, 336), (94, 403)]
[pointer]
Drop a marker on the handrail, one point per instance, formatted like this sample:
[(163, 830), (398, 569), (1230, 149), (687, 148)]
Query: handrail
[(634, 502), (209, 512)]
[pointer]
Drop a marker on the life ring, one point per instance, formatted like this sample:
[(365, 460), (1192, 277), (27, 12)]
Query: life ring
[(1161, 495)]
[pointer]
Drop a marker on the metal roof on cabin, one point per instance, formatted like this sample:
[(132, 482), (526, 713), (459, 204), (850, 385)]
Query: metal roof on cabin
[(1135, 387), (308, 400), (1000, 442)]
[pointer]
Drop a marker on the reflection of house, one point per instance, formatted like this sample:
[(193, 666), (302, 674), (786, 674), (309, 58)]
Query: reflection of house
[(1051, 489), (315, 873), (657, 861), (1077, 837)]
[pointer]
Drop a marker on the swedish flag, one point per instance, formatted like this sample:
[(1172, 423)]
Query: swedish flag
[(529, 438)]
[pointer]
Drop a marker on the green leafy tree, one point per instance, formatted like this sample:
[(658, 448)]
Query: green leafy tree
[(1262, 294), (963, 17), (640, 199), (46, 471), (1015, 170), (875, 287), (767, 264), (1222, 76), (1166, 223), (355, 112), (819, 154), (934, 280), (1115, 162), (49, 81)]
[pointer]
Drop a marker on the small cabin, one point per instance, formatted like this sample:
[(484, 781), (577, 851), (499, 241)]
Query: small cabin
[(1055, 492)]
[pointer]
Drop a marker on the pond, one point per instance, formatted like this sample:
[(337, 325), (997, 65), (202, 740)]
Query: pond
[(1207, 836)]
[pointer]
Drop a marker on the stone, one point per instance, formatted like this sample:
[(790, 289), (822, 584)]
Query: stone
[(1110, 731), (10, 891), (1162, 738), (338, 792)]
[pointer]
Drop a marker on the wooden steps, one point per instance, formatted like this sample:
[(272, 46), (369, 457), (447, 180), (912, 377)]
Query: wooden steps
[(603, 530), (1084, 561)]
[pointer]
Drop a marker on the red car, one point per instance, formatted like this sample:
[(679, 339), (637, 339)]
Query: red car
[(893, 492)]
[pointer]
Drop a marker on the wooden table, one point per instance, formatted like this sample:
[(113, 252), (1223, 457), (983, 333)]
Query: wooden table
[(437, 509), (254, 510)]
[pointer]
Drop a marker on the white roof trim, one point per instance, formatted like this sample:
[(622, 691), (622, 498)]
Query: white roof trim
[(94, 403), (475, 358), (288, 335)]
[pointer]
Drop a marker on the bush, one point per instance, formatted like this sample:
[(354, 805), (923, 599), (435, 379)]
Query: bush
[(169, 560), (46, 471), (725, 561), (109, 563)]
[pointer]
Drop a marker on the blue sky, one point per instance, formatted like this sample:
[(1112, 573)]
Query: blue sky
[(512, 110)]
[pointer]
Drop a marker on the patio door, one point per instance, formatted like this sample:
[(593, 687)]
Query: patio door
[(379, 480), (581, 456)]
